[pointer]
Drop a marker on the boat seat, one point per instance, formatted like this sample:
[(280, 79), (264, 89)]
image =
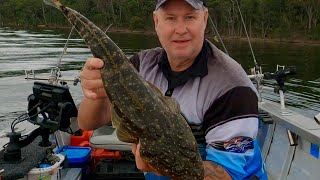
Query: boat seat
[(105, 137)]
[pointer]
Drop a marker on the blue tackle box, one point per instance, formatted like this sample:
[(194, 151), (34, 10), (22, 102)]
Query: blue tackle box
[(76, 157)]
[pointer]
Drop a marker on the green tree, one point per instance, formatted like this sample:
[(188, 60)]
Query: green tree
[(287, 19)]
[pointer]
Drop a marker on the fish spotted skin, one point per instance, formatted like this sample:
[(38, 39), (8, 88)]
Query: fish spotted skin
[(141, 114)]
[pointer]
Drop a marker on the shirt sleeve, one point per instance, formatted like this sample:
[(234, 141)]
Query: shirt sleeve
[(245, 127), (240, 165), (135, 60), (237, 103), (234, 115)]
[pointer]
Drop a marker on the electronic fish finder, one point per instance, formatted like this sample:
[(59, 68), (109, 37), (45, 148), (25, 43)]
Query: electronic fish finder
[(51, 106)]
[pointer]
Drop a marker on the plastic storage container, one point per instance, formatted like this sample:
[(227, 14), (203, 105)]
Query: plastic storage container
[(76, 157), (81, 140), (46, 173)]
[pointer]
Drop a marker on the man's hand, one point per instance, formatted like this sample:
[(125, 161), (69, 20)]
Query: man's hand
[(141, 165), (213, 171), (91, 81)]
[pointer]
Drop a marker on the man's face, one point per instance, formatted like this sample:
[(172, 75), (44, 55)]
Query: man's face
[(180, 29)]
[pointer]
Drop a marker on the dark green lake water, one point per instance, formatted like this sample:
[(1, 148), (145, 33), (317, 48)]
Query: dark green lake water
[(40, 50)]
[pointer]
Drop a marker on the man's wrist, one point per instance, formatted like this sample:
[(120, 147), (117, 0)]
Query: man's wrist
[(213, 171)]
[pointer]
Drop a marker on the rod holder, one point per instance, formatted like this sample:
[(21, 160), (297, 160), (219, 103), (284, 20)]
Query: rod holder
[(284, 110)]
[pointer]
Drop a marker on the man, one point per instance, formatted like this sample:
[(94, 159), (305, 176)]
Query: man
[(214, 93)]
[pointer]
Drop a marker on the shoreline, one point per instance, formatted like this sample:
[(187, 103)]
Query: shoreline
[(274, 40), (268, 40), (152, 32), (253, 39)]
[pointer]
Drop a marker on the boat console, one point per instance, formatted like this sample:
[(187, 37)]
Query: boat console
[(50, 107)]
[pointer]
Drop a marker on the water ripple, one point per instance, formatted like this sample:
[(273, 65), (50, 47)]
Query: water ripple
[(40, 50)]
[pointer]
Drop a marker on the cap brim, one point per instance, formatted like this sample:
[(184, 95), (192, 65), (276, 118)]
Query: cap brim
[(196, 5)]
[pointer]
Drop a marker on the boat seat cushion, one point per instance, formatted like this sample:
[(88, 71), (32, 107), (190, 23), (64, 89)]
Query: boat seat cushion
[(105, 137)]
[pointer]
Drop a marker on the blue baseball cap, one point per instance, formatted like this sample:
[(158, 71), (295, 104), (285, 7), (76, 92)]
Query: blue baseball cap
[(197, 4)]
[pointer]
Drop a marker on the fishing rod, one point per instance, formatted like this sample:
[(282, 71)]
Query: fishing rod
[(65, 47), (280, 75), (213, 26), (108, 28), (258, 69), (55, 74)]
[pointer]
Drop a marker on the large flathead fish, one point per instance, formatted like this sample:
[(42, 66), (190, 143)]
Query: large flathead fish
[(140, 112)]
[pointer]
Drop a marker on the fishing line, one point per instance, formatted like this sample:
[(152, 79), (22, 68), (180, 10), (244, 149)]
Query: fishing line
[(245, 29)]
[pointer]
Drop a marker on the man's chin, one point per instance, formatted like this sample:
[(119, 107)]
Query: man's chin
[(182, 56)]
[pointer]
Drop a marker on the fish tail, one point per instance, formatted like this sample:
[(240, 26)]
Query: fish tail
[(54, 3)]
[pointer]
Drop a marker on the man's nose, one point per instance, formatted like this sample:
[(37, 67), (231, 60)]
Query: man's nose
[(180, 27)]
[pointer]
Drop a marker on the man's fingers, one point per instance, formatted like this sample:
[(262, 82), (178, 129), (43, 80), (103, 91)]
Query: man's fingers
[(92, 84), (138, 147), (139, 162), (93, 64), (95, 93), (90, 94), (138, 151), (90, 74), (144, 165), (134, 149)]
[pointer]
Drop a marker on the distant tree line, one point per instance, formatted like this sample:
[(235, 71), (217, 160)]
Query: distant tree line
[(287, 19)]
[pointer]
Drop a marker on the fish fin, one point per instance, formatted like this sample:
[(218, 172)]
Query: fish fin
[(121, 130), (172, 104), (115, 118), (55, 3), (155, 88), (124, 136)]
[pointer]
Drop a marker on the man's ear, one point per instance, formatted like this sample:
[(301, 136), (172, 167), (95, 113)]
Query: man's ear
[(155, 19), (206, 15)]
